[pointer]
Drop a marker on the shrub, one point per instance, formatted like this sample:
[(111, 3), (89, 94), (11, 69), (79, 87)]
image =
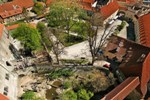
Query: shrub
[(59, 73), (67, 84), (29, 95)]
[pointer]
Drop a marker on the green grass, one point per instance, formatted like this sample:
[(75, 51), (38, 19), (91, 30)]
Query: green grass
[(68, 40)]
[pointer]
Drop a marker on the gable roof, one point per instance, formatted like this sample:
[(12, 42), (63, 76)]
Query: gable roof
[(15, 7), (24, 3), (1, 30), (9, 13), (144, 24), (109, 9)]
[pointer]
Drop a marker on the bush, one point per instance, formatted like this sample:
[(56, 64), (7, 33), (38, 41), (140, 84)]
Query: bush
[(84, 95), (69, 95), (67, 84), (59, 73), (29, 37), (29, 95)]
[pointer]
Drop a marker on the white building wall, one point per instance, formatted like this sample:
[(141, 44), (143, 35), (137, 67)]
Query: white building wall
[(110, 17), (6, 55)]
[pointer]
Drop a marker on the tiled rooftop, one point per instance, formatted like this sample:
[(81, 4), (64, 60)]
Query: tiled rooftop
[(109, 9), (144, 23), (2, 97), (1, 30), (15, 7)]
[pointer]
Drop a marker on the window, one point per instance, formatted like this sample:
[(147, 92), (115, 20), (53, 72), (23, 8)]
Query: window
[(5, 90), (7, 63), (7, 76)]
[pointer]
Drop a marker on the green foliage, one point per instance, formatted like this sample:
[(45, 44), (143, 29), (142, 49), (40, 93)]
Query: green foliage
[(67, 84), (80, 28), (38, 8), (84, 95), (62, 14), (120, 27), (55, 15), (41, 27), (29, 95), (69, 95), (29, 37), (59, 73), (68, 40)]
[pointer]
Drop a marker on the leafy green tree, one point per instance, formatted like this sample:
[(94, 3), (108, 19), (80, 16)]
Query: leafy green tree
[(64, 14), (38, 8), (45, 39), (29, 37), (84, 95), (69, 95)]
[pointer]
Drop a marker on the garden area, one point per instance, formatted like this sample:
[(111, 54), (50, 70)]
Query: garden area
[(67, 83), (69, 39), (80, 83)]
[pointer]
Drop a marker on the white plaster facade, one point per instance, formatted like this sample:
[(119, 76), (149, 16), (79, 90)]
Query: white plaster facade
[(111, 17), (8, 79)]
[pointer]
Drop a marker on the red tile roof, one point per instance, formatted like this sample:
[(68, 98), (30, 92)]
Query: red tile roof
[(24, 3), (11, 12), (127, 1), (48, 2), (86, 4), (88, 1), (3, 97), (1, 30), (145, 75), (144, 24), (17, 25), (15, 7), (109, 9), (12, 27)]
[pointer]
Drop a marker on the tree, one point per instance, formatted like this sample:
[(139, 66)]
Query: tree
[(29, 37), (57, 47), (38, 8), (44, 38), (82, 94), (96, 42), (64, 14)]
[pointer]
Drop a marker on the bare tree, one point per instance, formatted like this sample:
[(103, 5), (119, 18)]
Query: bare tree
[(96, 44), (57, 47)]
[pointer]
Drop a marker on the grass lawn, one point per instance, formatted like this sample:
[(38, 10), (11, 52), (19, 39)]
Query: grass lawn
[(68, 40)]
